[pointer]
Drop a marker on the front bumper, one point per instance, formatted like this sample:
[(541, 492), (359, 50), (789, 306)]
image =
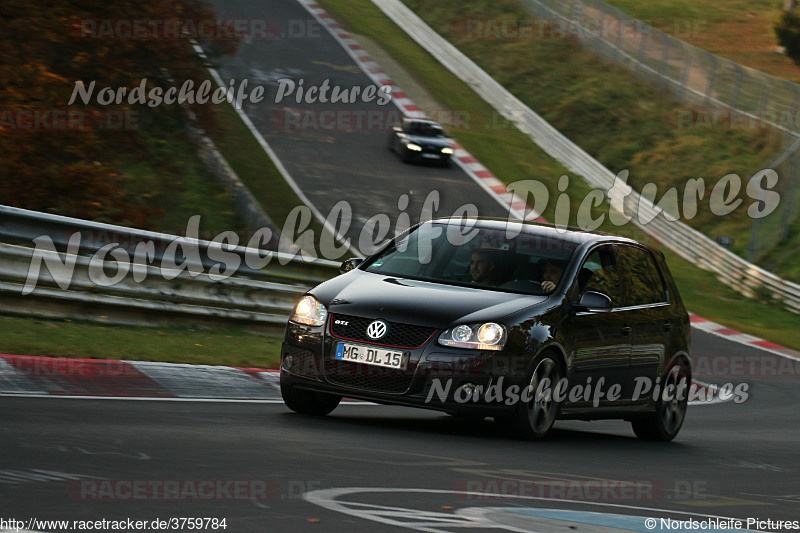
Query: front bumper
[(433, 378), (426, 155)]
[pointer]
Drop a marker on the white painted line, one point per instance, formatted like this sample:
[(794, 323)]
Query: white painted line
[(328, 499), (162, 399), (282, 169)]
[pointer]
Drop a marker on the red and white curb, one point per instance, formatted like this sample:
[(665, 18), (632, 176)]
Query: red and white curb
[(38, 376), (517, 207), (741, 338), (58, 376)]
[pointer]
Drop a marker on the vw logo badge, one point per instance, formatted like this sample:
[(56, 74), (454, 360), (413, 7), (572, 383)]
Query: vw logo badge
[(377, 329)]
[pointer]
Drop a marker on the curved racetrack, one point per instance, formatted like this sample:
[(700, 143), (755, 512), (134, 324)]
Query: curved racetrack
[(371, 468)]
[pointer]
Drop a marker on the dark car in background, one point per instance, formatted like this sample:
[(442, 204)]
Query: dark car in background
[(419, 140), (419, 324)]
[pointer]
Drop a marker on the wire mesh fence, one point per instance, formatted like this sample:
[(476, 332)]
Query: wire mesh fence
[(699, 79)]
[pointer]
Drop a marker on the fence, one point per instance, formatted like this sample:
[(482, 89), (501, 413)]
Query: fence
[(703, 81), (680, 238)]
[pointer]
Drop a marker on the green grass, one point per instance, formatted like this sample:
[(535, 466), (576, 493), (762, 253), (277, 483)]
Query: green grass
[(668, 12), (168, 173), (739, 30), (63, 338), (512, 156)]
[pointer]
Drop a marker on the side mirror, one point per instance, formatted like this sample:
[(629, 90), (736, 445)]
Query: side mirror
[(594, 301), (350, 264)]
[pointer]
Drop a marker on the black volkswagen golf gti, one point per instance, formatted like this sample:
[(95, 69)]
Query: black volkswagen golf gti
[(480, 318)]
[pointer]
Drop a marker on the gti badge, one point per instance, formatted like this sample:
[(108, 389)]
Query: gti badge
[(377, 329)]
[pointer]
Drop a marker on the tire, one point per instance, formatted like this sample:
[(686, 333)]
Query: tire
[(309, 402), (533, 420), (665, 423)]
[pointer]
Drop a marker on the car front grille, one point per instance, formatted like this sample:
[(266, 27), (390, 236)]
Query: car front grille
[(399, 335), (367, 377)]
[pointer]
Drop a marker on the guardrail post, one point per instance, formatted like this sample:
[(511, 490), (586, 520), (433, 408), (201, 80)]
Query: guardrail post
[(642, 50), (665, 58), (687, 69), (764, 99), (712, 79), (788, 212), (737, 85)]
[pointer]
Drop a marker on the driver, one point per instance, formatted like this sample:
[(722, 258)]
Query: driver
[(551, 274), (483, 268)]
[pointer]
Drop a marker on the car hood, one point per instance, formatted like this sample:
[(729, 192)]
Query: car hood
[(434, 141), (416, 302)]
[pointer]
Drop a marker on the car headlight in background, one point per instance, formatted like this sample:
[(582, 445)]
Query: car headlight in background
[(488, 336), (414, 147), (309, 311), (447, 150)]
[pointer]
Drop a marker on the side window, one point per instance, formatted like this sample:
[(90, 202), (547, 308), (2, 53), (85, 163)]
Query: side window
[(599, 273), (642, 282)]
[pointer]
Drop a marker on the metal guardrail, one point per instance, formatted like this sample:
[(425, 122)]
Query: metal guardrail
[(675, 235), (96, 287), (21, 226)]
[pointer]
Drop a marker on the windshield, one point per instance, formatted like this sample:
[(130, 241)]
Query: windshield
[(477, 257), (425, 129)]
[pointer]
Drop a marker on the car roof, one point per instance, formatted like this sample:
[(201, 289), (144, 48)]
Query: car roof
[(422, 121), (570, 234)]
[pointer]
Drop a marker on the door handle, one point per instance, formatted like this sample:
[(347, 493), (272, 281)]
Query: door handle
[(667, 326), (626, 330)]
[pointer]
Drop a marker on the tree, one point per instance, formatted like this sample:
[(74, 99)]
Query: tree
[(788, 32), (46, 164)]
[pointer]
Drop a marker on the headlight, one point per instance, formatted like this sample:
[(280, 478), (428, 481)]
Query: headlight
[(414, 147), (309, 311), (488, 336), (448, 151)]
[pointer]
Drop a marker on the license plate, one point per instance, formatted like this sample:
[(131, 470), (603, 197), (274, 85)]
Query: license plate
[(431, 156), (370, 355)]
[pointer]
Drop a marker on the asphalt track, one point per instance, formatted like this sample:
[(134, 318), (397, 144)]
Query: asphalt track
[(339, 155), (373, 468), (369, 468)]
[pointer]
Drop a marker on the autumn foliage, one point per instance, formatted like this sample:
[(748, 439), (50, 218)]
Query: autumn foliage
[(52, 165)]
